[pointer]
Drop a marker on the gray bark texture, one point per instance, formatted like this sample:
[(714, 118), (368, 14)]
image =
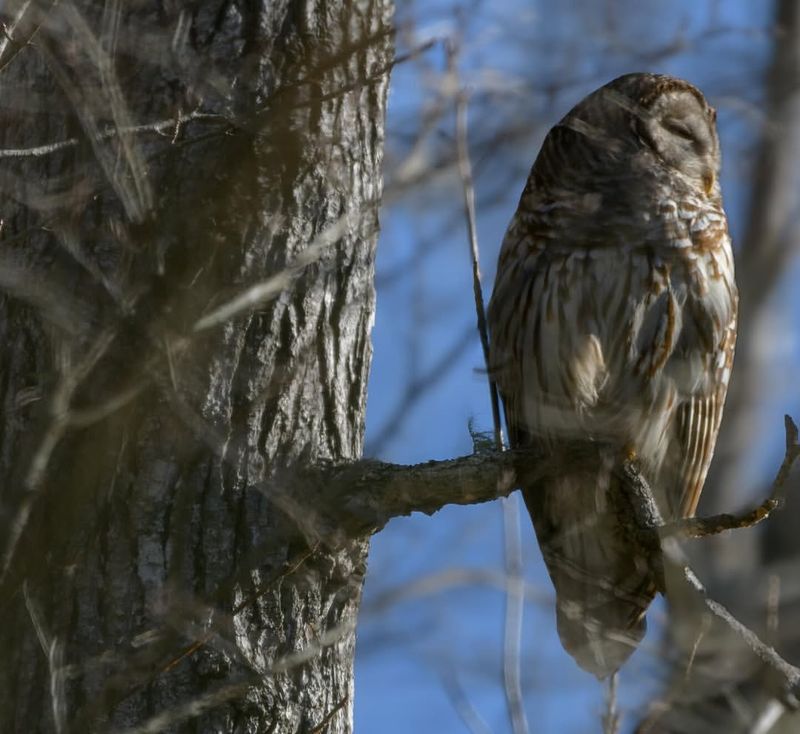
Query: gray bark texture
[(158, 160)]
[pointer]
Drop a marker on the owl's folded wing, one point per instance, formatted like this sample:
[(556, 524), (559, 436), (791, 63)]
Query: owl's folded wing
[(695, 429)]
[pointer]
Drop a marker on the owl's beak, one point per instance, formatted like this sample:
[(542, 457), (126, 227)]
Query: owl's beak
[(709, 179)]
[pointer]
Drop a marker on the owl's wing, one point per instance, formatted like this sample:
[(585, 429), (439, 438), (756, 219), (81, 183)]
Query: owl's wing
[(696, 424), (548, 324)]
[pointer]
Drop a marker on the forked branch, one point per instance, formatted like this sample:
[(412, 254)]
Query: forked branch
[(331, 503), (361, 497), (699, 527)]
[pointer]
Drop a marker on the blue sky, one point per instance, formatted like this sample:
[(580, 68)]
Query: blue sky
[(508, 58)]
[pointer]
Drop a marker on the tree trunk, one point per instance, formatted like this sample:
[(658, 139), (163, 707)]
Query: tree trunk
[(159, 159)]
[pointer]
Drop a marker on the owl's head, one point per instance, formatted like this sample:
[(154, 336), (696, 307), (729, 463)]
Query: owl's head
[(679, 126), (647, 127)]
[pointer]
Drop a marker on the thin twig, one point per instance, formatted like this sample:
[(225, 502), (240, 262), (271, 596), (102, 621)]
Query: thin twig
[(611, 718), (465, 170), (194, 708), (357, 84), (34, 478), (445, 580), (287, 569), (319, 728), (461, 703), (156, 644), (258, 294), (160, 126), (514, 610), (700, 527), (769, 717), (767, 654), (172, 126), (54, 652), (677, 569), (515, 599), (417, 387), (10, 29), (705, 624), (773, 605)]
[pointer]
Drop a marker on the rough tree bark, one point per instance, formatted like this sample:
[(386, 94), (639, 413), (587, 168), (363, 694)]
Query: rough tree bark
[(159, 159)]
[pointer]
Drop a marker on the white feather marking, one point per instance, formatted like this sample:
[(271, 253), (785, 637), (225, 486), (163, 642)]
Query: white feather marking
[(588, 371)]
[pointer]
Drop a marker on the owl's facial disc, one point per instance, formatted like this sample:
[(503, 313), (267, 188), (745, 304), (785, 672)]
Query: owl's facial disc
[(680, 129)]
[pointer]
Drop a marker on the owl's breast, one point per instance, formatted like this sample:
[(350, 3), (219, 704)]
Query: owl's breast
[(692, 285), (596, 339), (682, 319)]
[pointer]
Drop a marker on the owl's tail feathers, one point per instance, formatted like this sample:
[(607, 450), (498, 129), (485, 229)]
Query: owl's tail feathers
[(602, 588), (600, 632)]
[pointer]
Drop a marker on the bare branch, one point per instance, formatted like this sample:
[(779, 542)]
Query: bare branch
[(699, 527), (319, 728), (465, 169), (769, 717), (675, 567), (514, 609), (194, 708), (54, 652), (361, 497), (258, 294), (789, 673), (611, 719), (161, 127), (29, 23), (461, 703), (451, 578)]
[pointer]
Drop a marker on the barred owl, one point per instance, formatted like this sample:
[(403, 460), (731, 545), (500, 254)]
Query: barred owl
[(613, 322)]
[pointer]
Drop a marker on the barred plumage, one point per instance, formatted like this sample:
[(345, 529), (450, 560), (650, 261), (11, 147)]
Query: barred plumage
[(613, 323)]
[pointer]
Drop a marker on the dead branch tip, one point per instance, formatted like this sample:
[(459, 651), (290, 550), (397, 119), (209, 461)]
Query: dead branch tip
[(792, 443)]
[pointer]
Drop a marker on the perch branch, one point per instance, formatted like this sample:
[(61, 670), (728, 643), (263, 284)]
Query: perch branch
[(360, 497), (335, 502)]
